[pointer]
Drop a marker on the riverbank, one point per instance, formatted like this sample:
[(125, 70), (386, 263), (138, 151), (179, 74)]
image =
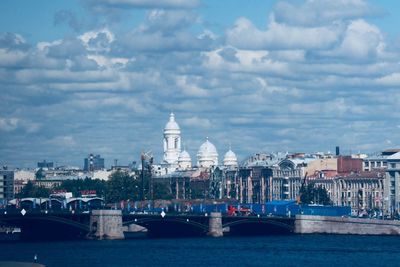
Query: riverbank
[(308, 224)]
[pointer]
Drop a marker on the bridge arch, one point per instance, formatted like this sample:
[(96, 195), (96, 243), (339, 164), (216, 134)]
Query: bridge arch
[(170, 226), (48, 227), (256, 226)]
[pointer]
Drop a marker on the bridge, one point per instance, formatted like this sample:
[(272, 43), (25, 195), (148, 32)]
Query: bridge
[(109, 224), (48, 225), (199, 225)]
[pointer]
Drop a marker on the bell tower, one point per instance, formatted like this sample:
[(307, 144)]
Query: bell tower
[(172, 142)]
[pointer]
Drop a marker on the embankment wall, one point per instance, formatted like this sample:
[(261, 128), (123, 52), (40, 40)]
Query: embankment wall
[(307, 224)]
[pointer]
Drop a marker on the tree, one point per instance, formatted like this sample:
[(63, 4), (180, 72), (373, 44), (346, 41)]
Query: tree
[(40, 174), (162, 191), (78, 185), (122, 186), (31, 190), (311, 194)]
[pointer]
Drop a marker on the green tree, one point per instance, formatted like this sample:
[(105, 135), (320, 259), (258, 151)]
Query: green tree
[(78, 185), (31, 190), (311, 194), (122, 186), (162, 191), (40, 174)]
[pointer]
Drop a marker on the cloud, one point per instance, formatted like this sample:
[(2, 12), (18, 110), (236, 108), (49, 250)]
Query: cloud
[(295, 84), (361, 41), (65, 76), (64, 141), (104, 4), (68, 17), (392, 79), (8, 124), (197, 122), (12, 124), (11, 58), (245, 35), (97, 41), (13, 41), (310, 12), (164, 30), (68, 48), (168, 21), (190, 88)]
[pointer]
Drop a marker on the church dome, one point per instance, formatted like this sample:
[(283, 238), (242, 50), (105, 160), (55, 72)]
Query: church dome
[(207, 155), (230, 158), (184, 156), (172, 125), (184, 160)]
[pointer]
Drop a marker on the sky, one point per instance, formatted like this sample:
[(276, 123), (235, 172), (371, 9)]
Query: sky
[(101, 76)]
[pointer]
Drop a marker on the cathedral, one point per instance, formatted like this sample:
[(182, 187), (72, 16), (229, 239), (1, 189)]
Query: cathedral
[(176, 159)]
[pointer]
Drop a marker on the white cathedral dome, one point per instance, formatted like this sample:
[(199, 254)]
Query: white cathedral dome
[(184, 160), (172, 143), (171, 125), (207, 155), (230, 158)]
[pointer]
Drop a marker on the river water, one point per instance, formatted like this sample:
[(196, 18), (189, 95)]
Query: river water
[(295, 250)]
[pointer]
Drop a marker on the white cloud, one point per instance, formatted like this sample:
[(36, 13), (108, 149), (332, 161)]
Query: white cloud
[(305, 79), (11, 58), (319, 12), (65, 76), (197, 122), (247, 61), (241, 120), (97, 41), (361, 41), (389, 80), (190, 88), (12, 124), (63, 141), (245, 35), (8, 124), (144, 3)]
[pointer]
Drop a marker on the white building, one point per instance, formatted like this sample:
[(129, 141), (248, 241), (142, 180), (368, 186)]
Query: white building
[(207, 155), (102, 175), (24, 175), (230, 160), (172, 144), (174, 159), (392, 184), (184, 161)]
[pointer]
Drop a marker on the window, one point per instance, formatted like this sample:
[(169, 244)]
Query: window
[(393, 165), (176, 143)]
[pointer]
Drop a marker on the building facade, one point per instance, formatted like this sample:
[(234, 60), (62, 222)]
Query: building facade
[(93, 163), (6, 185), (172, 145), (45, 164), (363, 192), (392, 184)]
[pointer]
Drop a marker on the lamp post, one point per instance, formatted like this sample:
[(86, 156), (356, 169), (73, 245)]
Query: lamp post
[(142, 179)]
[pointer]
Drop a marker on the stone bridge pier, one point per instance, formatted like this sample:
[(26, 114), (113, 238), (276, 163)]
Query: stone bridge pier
[(106, 224), (215, 225)]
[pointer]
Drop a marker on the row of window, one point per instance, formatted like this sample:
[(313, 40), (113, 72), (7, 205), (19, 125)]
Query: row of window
[(375, 164), (354, 194)]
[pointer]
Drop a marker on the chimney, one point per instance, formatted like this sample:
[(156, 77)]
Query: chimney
[(337, 151)]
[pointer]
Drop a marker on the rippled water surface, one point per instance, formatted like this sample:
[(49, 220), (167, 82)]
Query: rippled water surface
[(308, 250)]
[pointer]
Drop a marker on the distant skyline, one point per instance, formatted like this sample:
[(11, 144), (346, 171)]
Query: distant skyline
[(101, 76)]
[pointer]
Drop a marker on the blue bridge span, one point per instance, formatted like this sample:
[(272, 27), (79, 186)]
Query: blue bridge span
[(60, 224)]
